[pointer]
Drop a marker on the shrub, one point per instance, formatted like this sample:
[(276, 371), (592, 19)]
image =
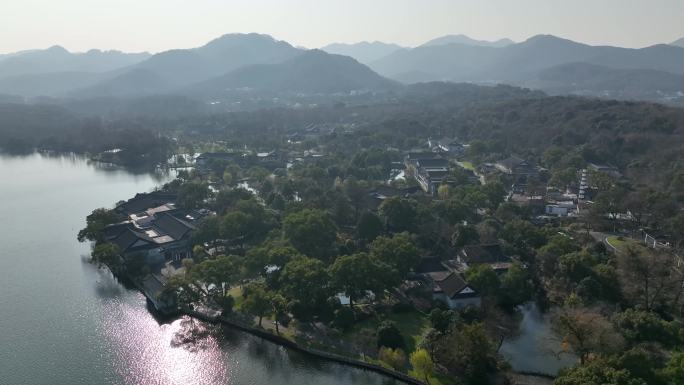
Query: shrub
[(395, 358), (389, 336), (344, 318)]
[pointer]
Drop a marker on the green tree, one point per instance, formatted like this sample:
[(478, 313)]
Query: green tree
[(465, 235), (96, 223), (312, 232), (399, 214), (597, 372), (356, 192), (208, 231), (422, 364), (673, 372), (484, 279), (305, 281), (455, 212), (218, 275), (395, 358), (516, 286), (495, 193), (523, 235), (107, 254), (344, 318), (356, 274), (369, 227), (397, 251), (257, 301), (442, 320), (638, 326), (389, 336), (466, 350), (279, 307), (191, 195)]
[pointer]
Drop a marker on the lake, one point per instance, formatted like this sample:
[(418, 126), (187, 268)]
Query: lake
[(63, 321)]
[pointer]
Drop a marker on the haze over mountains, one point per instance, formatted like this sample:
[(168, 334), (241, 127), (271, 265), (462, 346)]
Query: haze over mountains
[(311, 72), (364, 51), (263, 65), (466, 40)]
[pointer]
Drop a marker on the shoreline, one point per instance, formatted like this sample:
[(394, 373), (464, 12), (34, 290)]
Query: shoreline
[(279, 340), (289, 344), (274, 338)]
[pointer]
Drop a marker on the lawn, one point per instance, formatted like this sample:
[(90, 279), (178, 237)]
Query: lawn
[(467, 165), (236, 293), (621, 243), (412, 325)]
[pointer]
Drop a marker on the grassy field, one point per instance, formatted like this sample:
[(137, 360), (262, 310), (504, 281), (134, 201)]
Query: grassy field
[(236, 292), (467, 165), (412, 326), (621, 243)]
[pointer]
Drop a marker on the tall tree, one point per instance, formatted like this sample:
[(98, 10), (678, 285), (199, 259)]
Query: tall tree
[(307, 282), (422, 364), (466, 350), (649, 277), (191, 195), (369, 226), (356, 274), (399, 214), (96, 223), (397, 251), (107, 254), (257, 301), (312, 232), (484, 279), (218, 275), (586, 331)]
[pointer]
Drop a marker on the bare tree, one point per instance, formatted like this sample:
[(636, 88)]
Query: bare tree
[(649, 277), (585, 332)]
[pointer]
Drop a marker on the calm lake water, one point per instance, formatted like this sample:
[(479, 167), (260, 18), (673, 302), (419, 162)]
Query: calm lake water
[(535, 348), (63, 321)]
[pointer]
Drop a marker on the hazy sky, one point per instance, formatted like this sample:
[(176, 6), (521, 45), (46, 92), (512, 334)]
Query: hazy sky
[(157, 25)]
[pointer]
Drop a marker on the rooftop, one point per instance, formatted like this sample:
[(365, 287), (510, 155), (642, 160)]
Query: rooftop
[(479, 254), (455, 286)]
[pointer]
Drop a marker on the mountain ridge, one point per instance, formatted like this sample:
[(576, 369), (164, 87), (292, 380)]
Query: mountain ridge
[(364, 51), (467, 40), (460, 62), (313, 71), (58, 59)]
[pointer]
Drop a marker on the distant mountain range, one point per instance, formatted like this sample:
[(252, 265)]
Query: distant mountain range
[(310, 72), (678, 43), (465, 40), (58, 59), (529, 64), (254, 64), (459, 62), (364, 51)]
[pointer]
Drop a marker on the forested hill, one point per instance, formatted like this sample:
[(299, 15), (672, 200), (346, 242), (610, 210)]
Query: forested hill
[(24, 128), (644, 140)]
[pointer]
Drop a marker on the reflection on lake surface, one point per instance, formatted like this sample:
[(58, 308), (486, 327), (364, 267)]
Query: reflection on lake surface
[(535, 348), (63, 321)]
